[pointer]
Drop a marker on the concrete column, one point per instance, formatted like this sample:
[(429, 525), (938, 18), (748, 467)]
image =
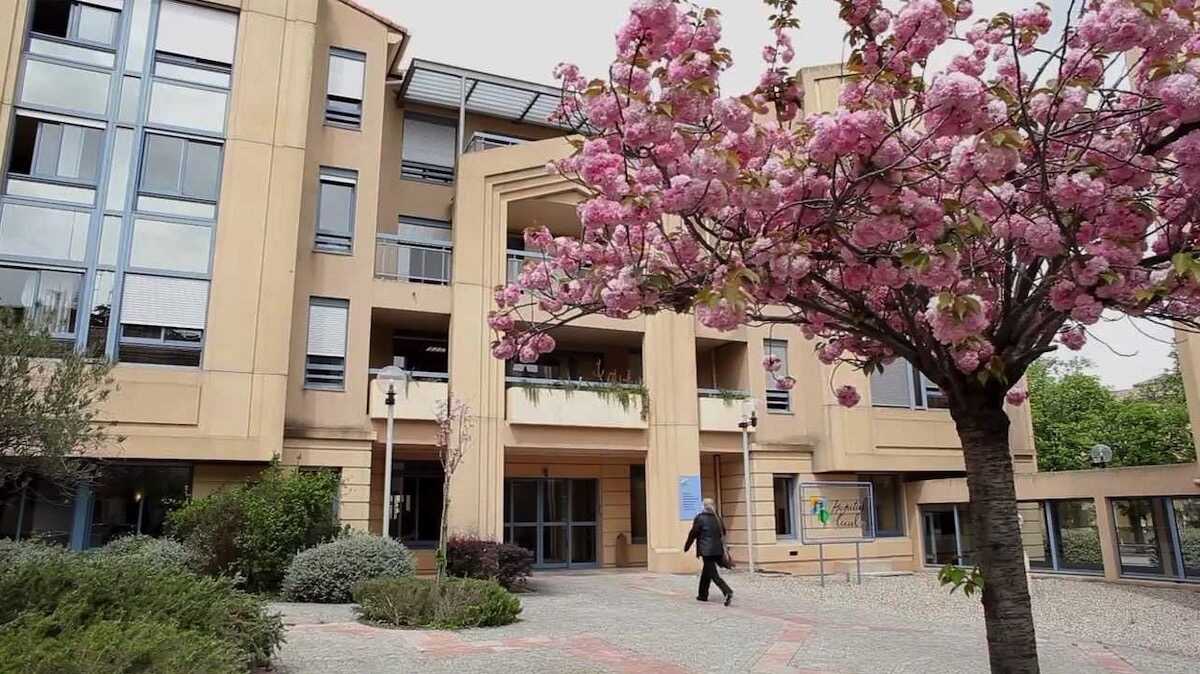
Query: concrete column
[(1107, 529), (674, 437)]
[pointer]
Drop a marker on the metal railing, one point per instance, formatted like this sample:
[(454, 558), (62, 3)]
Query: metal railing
[(730, 393), (431, 172), (546, 382), (482, 140), (415, 375), (517, 259), (412, 261)]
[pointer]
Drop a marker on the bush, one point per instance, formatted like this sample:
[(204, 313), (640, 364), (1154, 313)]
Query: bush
[(455, 603), (157, 552), (254, 530), (1081, 547), (152, 614), (471, 557), (1189, 542), (18, 552), (327, 573)]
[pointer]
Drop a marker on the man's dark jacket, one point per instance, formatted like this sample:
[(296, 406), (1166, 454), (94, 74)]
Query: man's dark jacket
[(708, 533)]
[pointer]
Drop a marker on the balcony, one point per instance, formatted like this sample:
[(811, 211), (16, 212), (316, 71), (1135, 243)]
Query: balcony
[(481, 141), (415, 398), (559, 402), (516, 260), (721, 409), (398, 259)]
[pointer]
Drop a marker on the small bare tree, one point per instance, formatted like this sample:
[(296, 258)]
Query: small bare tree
[(454, 434)]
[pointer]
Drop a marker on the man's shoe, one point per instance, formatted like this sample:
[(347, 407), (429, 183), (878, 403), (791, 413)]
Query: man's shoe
[(701, 598), (728, 598)]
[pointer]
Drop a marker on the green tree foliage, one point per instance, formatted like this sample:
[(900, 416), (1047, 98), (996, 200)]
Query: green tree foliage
[(49, 397), (1073, 411)]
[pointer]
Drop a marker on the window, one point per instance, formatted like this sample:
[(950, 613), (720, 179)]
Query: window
[(344, 90), (75, 21), (134, 499), (162, 320), (185, 107), (335, 210), (181, 167), (889, 504), (1145, 537), (429, 149), (52, 147), (637, 503), (47, 297), (63, 87), (36, 231), (1061, 535), (785, 496), (170, 246), (421, 354), (196, 34), (326, 363), (419, 253), (948, 536), (1187, 523), (193, 54), (41, 510), (901, 385), (416, 516), (778, 400)]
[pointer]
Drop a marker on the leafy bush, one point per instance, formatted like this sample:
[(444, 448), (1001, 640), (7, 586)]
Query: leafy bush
[(254, 530), (17, 552), (327, 573), (158, 552), (455, 603), (471, 557), (152, 614), (1081, 547), (1189, 542)]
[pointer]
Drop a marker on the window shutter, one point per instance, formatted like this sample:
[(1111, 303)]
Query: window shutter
[(892, 387), (166, 302), (327, 328), (346, 77), (199, 32), (428, 142)]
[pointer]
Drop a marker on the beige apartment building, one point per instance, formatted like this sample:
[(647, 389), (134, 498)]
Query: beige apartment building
[(253, 206)]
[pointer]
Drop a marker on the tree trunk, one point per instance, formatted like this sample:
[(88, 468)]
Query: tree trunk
[(443, 533), (983, 428)]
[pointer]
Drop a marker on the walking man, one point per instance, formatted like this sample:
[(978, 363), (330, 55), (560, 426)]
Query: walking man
[(708, 533)]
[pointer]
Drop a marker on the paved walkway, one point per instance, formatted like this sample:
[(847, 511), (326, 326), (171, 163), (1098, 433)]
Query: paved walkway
[(635, 623)]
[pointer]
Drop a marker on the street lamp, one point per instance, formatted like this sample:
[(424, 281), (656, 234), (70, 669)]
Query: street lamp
[(1101, 455), (389, 375), (748, 422)]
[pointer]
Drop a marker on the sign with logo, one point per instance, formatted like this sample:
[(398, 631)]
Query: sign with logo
[(837, 512), (689, 497)]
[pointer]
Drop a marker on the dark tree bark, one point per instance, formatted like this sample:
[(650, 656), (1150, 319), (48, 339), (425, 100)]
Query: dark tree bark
[(983, 428)]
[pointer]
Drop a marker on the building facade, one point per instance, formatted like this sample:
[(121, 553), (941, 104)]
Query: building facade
[(253, 206)]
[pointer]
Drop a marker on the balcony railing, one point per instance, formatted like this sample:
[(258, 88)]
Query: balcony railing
[(517, 260), (557, 402), (720, 409), (481, 140), (412, 261), (430, 172)]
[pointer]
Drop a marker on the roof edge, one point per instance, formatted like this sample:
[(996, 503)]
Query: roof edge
[(377, 16)]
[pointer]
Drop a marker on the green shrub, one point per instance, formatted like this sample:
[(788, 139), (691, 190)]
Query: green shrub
[(254, 530), (455, 603), (1081, 547), (34, 646), (471, 557), (1189, 542), (66, 597), (17, 552), (156, 552), (328, 572)]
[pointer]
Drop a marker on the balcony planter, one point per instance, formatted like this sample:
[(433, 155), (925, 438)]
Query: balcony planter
[(577, 403)]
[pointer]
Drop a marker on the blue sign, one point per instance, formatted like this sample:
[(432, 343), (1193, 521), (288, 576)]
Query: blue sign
[(689, 497)]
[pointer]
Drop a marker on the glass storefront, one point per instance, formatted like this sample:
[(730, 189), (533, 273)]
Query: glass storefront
[(554, 518), (1144, 536), (1061, 535), (1187, 524), (947, 534)]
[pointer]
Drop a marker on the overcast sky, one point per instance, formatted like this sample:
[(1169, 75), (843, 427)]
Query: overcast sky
[(527, 38)]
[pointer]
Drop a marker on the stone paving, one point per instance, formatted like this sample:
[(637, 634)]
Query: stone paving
[(641, 623)]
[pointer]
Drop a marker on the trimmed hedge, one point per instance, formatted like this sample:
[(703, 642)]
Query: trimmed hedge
[(471, 557), (328, 572), (455, 603), (121, 613), (254, 530)]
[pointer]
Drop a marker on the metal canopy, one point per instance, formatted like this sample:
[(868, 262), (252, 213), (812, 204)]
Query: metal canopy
[(442, 85)]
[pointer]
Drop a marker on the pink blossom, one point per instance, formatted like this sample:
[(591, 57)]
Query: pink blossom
[(771, 363), (1073, 338), (785, 383), (1016, 397), (847, 396)]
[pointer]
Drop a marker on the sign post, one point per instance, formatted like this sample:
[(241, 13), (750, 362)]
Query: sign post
[(837, 512)]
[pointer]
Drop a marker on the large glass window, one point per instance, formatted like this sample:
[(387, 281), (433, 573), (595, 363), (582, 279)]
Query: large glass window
[(51, 147), (344, 93), (902, 385), (1187, 523), (75, 21), (325, 366), (889, 504), (202, 35), (41, 511), (784, 488), (49, 298), (335, 210), (187, 107), (778, 400), (182, 167), (132, 499), (947, 534), (1144, 536), (38, 231), (162, 320), (416, 516), (171, 246), (637, 503), (63, 87)]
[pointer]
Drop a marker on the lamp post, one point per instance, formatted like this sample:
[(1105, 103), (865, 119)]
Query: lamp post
[(389, 375), (748, 422)]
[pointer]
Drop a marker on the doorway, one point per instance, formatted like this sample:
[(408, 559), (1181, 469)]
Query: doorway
[(555, 518)]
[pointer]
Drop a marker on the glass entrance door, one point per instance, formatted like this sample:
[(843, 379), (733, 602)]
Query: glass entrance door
[(555, 518)]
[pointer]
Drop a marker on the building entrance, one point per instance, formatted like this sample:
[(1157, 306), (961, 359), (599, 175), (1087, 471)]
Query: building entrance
[(555, 518)]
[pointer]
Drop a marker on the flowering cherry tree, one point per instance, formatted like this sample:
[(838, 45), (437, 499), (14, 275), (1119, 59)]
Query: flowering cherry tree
[(968, 220), (454, 425)]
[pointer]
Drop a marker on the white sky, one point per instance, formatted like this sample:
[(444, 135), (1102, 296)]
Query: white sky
[(527, 38)]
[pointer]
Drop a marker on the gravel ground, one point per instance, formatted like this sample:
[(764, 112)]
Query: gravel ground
[(1161, 619), (637, 622)]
